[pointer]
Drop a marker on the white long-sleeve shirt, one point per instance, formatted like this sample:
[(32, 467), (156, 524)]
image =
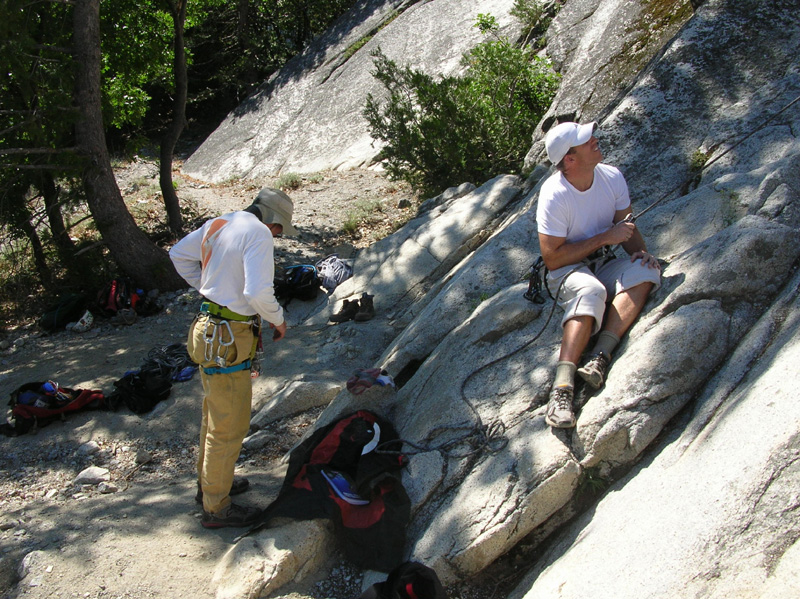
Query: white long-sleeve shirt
[(230, 261)]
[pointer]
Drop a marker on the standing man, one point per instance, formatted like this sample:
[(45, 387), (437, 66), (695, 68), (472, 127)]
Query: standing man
[(229, 260), (582, 209)]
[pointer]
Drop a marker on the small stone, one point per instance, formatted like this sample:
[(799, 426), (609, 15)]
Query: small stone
[(143, 457), (88, 448), (28, 562), (106, 488), (7, 525), (92, 476)]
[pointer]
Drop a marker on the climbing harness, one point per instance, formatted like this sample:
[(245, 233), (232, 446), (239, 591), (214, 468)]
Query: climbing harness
[(223, 312), (218, 338)]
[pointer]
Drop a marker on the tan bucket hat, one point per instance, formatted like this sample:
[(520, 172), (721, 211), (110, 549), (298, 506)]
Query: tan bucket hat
[(276, 208)]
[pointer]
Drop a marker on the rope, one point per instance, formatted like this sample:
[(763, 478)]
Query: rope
[(707, 164), (168, 359), (479, 436)]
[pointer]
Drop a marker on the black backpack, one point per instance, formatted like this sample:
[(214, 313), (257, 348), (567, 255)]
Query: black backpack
[(297, 282), (410, 580), (68, 308), (141, 390)]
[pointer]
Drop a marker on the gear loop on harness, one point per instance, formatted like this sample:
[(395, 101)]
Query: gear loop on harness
[(217, 329)]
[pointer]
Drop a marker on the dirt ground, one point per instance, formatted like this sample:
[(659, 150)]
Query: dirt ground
[(138, 535)]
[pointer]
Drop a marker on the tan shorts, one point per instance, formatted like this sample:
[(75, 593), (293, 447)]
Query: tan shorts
[(585, 293)]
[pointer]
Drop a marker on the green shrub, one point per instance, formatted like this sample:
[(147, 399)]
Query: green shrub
[(361, 213), (444, 132), (289, 181), (535, 17)]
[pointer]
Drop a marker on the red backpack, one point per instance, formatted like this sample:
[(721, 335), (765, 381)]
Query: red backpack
[(38, 404)]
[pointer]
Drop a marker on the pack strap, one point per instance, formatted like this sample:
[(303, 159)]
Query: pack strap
[(220, 370), (214, 309)]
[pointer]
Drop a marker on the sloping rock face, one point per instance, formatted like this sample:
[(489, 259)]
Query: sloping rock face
[(599, 47), (714, 514), (308, 117), (716, 345)]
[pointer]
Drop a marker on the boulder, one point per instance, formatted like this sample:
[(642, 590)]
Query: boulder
[(599, 47), (265, 561), (297, 396), (308, 116)]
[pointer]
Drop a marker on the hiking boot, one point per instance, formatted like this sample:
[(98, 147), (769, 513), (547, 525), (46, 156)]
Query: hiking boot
[(347, 312), (594, 371), (237, 516), (240, 485), (559, 409), (367, 310)]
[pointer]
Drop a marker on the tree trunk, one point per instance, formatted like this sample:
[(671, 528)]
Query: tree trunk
[(170, 139), (55, 219), (138, 257), (39, 258)]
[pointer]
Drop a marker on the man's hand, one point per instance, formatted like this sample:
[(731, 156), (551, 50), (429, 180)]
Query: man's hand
[(278, 331), (647, 259), (620, 233)]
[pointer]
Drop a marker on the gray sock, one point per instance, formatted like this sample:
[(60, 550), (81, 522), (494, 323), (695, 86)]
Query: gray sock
[(606, 342), (565, 374)]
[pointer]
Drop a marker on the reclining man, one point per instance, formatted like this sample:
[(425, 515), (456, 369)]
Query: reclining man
[(582, 209)]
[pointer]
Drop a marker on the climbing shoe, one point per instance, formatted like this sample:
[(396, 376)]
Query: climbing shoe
[(366, 310), (240, 485), (235, 516), (347, 312), (594, 371), (559, 412)]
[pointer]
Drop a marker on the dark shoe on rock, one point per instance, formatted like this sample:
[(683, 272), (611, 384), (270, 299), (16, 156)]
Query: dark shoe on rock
[(366, 310), (236, 516), (347, 312), (240, 485), (595, 369), (560, 413)]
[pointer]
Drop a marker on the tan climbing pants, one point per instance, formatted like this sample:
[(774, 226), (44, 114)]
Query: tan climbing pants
[(226, 402)]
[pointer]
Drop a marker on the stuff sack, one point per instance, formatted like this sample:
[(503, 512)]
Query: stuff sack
[(38, 404), (297, 282), (333, 271)]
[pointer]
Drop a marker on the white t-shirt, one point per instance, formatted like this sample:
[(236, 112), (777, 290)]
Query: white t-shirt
[(230, 261), (563, 211)]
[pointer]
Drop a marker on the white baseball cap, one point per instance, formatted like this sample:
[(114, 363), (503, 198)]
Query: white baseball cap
[(276, 208), (564, 136)]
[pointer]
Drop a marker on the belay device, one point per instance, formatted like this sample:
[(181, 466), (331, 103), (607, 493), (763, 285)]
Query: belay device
[(536, 282)]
